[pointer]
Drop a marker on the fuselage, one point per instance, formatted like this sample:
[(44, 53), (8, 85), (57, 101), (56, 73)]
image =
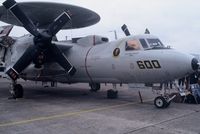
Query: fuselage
[(135, 59)]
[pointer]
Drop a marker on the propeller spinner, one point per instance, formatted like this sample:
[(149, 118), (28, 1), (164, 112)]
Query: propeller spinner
[(42, 42)]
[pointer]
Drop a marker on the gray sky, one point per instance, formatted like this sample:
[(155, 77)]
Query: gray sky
[(175, 22)]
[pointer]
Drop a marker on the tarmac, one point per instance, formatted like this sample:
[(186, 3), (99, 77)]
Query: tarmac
[(73, 109)]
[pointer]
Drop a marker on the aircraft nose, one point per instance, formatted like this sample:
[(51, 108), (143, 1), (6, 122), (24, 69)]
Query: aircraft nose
[(194, 64)]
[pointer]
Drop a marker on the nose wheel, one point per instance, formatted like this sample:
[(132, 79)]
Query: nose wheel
[(17, 91), (162, 102)]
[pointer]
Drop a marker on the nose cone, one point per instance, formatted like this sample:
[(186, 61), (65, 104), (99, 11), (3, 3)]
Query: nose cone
[(194, 64), (179, 64)]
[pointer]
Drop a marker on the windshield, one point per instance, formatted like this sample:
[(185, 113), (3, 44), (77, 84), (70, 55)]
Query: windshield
[(144, 44), (155, 43)]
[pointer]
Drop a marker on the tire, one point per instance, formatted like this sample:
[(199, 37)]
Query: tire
[(111, 94), (160, 102), (18, 91), (95, 87)]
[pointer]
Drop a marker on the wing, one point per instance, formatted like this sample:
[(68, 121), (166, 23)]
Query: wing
[(63, 45)]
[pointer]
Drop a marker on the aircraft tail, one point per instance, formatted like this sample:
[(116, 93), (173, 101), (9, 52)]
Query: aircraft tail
[(5, 40), (5, 30)]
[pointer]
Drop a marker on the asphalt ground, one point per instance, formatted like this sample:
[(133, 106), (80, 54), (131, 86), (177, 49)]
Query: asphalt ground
[(73, 109)]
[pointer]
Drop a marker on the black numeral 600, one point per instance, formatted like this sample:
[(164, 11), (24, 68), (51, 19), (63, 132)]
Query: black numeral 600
[(148, 64)]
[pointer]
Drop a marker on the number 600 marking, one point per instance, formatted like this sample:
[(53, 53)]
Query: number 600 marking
[(148, 64)]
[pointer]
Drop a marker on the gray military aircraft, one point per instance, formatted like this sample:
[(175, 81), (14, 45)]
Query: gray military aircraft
[(38, 56)]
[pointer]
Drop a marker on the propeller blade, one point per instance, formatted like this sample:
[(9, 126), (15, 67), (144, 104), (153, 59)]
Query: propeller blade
[(62, 60), (58, 23), (22, 63), (22, 18), (125, 30), (42, 41)]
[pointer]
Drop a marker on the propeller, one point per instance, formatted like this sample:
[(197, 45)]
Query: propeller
[(125, 30), (42, 42)]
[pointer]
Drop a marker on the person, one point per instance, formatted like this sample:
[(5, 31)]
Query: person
[(193, 78), (194, 96), (187, 82), (181, 82), (171, 84)]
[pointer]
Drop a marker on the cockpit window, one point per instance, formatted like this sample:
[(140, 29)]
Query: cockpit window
[(144, 44), (155, 43), (132, 45)]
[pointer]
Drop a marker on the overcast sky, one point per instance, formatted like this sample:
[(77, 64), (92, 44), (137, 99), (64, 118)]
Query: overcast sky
[(175, 22)]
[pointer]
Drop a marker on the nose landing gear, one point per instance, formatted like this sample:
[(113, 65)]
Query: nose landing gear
[(163, 101)]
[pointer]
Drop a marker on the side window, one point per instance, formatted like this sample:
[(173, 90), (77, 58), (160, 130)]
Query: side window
[(132, 45), (144, 44)]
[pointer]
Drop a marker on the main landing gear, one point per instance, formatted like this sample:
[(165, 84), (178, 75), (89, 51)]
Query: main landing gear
[(94, 87), (112, 93), (16, 90)]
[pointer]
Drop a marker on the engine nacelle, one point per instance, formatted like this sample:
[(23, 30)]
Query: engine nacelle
[(92, 40)]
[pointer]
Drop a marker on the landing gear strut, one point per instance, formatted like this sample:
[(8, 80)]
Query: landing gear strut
[(94, 87), (17, 90)]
